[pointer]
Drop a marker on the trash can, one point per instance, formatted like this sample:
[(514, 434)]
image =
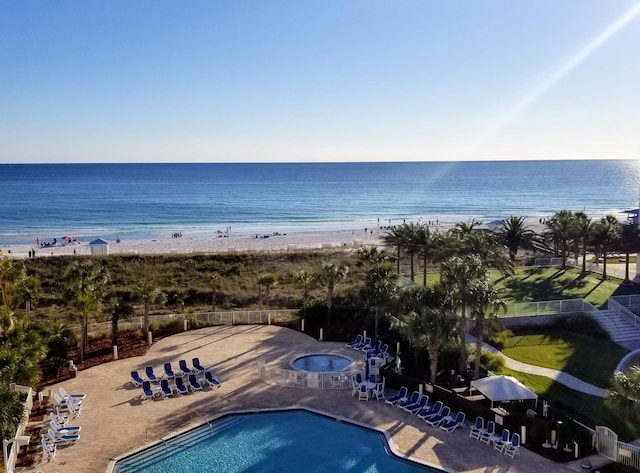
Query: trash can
[(73, 371)]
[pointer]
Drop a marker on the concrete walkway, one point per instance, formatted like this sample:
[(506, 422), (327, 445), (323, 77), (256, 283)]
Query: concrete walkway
[(559, 376)]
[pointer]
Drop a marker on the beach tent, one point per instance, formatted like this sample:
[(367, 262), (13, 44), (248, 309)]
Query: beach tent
[(503, 388), (99, 247)]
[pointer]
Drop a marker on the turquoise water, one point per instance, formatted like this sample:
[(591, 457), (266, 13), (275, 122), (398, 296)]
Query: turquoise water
[(154, 200), (278, 442), (321, 363)]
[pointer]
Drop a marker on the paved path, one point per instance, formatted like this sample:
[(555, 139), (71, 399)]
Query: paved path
[(559, 376)]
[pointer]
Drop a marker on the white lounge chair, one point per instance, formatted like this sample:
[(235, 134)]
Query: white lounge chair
[(62, 439), (500, 443), (477, 430), (77, 398), (49, 448), (489, 435), (363, 393), (512, 448), (452, 425)]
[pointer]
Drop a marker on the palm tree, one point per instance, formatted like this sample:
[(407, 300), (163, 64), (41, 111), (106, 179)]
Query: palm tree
[(426, 243), (11, 412), (624, 392), (86, 286), (307, 280), (462, 229), (23, 350), (430, 318), (150, 295), (119, 309), (395, 238), (381, 283), (491, 253), (628, 242), (560, 227), (330, 275), (582, 226), (214, 279), (514, 233), (267, 280), (483, 295), (370, 256), (604, 237), (457, 275), (11, 272)]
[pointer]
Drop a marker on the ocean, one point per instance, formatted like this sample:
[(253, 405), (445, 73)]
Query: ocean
[(155, 200)]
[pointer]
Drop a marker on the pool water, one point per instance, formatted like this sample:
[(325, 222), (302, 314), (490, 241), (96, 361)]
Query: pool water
[(278, 442), (321, 363)]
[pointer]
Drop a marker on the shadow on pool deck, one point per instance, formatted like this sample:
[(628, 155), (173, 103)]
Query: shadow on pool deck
[(115, 420)]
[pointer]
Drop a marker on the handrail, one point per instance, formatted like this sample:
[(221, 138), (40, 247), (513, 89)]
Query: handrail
[(622, 310)]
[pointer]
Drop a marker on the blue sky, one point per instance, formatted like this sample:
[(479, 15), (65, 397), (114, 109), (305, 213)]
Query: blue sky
[(227, 81)]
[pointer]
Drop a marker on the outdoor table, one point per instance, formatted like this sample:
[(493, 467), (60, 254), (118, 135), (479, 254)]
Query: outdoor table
[(369, 385)]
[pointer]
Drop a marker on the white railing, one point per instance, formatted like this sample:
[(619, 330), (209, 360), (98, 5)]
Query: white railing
[(202, 318), (303, 379), (619, 309), (607, 444), (630, 301), (12, 454), (590, 309), (564, 306)]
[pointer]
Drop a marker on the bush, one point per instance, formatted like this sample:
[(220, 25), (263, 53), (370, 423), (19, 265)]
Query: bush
[(493, 362), (499, 339)]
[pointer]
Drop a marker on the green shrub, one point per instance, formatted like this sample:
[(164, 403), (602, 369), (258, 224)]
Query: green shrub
[(493, 362), (499, 339)]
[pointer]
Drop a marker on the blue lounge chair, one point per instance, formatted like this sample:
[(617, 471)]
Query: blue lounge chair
[(213, 381), (383, 352), (48, 447), (478, 429), (364, 346), (57, 426), (136, 379), (452, 425), (407, 402), (62, 439), (168, 371), (417, 406), (77, 398), (184, 368), (439, 418), (513, 448), (194, 384), (59, 431), (198, 368), (489, 435), (165, 389), (147, 391), (73, 408), (149, 372), (500, 443), (429, 412), (182, 389), (374, 350), (356, 342), (402, 395)]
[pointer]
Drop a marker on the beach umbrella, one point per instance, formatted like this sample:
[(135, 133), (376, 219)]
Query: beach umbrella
[(67, 237)]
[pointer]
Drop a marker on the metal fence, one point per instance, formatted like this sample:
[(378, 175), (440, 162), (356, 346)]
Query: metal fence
[(196, 319), (545, 307), (631, 301), (607, 444), (303, 379)]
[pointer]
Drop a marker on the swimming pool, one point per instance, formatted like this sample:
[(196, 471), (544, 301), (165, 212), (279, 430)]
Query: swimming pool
[(282, 442), (321, 363)]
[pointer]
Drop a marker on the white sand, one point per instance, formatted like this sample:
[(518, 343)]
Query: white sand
[(214, 244)]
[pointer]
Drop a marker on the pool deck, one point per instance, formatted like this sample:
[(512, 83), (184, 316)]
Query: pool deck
[(115, 421)]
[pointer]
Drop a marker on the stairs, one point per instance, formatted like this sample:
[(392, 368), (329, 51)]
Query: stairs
[(619, 327)]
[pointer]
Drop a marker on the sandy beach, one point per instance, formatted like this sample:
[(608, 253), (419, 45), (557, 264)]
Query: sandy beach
[(218, 243)]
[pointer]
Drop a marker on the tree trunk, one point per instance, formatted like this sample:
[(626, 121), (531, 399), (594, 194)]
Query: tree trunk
[(433, 362), (424, 270), (84, 337), (114, 330), (462, 363), (329, 304), (146, 325), (413, 276)]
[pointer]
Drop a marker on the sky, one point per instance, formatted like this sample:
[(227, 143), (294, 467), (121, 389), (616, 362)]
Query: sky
[(329, 80)]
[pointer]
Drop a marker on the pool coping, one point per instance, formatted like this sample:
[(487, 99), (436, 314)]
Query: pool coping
[(337, 418)]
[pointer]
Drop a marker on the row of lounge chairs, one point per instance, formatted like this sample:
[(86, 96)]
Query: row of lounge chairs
[(502, 444), (59, 432), (364, 344), (180, 387), (183, 370), (435, 415)]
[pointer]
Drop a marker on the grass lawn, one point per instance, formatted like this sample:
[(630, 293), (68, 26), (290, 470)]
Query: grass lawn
[(548, 284), (587, 358), (590, 410)]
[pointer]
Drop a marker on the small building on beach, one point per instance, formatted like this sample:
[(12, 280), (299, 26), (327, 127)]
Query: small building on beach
[(99, 247)]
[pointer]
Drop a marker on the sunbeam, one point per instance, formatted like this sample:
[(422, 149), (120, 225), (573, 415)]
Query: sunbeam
[(553, 79)]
